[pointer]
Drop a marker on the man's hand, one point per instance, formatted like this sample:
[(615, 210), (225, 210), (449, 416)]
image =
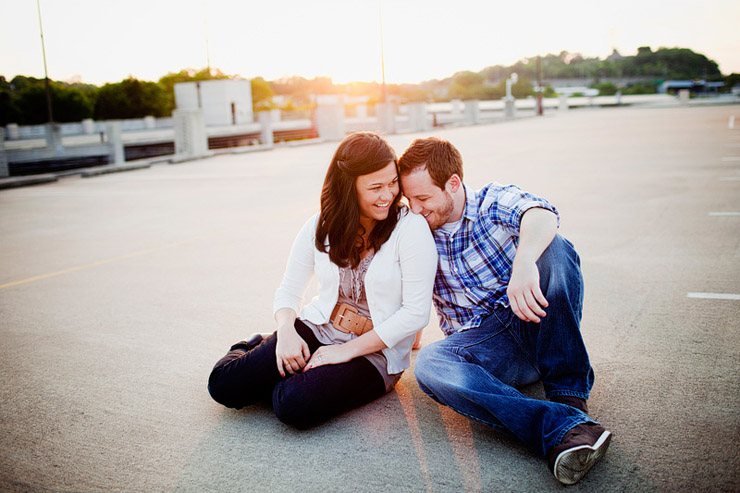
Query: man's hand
[(291, 351), (537, 229), (329, 355), (525, 296)]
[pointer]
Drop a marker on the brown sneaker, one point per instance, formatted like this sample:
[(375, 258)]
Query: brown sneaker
[(571, 401), (581, 448)]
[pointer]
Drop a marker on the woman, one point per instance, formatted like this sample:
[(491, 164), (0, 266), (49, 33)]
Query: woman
[(375, 262)]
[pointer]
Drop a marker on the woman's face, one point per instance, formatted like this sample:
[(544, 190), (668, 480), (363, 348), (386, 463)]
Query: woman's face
[(375, 194)]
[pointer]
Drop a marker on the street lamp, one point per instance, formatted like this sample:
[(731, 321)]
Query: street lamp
[(46, 74)]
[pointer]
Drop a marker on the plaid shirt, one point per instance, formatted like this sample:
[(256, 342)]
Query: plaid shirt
[(475, 260)]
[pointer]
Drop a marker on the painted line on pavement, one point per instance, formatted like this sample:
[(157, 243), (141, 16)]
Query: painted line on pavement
[(730, 178), (104, 261), (724, 213), (731, 159), (714, 296)]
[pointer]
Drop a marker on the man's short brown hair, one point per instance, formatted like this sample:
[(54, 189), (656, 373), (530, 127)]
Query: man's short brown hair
[(440, 158)]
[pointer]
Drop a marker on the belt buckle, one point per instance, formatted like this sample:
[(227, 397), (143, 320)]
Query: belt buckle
[(347, 318)]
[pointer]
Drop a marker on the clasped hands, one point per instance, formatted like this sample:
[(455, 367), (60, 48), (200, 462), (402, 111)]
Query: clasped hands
[(293, 355)]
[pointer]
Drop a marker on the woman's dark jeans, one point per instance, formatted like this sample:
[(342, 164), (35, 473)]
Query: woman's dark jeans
[(247, 375)]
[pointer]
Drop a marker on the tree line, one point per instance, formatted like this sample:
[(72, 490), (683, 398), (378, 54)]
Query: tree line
[(23, 99)]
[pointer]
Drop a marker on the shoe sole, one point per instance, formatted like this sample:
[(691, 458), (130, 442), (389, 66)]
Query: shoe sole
[(572, 464)]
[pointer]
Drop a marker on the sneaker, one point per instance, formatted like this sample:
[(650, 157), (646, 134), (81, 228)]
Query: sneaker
[(571, 401), (252, 342), (581, 448)]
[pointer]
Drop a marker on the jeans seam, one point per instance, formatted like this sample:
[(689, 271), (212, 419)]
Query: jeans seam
[(569, 393), (571, 423)]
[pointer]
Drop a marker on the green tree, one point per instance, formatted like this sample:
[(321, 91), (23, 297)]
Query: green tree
[(731, 81), (27, 104), (262, 94), (605, 88), (130, 98)]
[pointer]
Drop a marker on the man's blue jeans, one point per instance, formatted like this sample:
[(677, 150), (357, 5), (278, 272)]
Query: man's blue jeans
[(475, 372)]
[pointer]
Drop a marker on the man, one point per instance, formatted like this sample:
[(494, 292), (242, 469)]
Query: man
[(508, 293)]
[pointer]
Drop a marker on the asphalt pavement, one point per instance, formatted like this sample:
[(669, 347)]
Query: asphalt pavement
[(119, 292)]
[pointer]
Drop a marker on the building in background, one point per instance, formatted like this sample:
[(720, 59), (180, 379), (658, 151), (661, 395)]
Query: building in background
[(223, 101)]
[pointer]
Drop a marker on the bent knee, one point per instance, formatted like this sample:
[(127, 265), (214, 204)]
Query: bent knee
[(222, 389), (290, 407)]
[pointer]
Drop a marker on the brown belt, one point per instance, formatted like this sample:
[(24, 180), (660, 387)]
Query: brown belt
[(346, 318)]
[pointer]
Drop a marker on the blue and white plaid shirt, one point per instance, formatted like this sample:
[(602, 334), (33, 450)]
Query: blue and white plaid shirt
[(475, 259)]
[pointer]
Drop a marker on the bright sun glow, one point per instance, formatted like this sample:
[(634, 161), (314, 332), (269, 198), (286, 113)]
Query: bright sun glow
[(102, 41)]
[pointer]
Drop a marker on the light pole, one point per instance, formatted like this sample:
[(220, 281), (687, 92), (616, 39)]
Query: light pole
[(382, 56), (46, 74)]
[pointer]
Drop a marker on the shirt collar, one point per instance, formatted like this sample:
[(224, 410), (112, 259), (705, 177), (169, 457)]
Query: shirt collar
[(471, 204), (470, 212)]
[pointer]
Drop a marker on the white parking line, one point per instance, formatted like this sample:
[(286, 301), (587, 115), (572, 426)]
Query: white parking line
[(724, 213), (714, 296)]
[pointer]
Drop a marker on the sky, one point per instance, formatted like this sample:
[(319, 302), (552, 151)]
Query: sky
[(99, 41)]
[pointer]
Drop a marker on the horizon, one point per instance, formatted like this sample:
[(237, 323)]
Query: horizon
[(106, 42)]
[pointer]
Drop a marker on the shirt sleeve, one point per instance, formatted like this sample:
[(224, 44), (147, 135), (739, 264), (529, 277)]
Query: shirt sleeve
[(507, 204), (299, 270), (418, 258)]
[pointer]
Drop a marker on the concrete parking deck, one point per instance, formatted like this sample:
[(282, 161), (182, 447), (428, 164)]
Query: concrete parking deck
[(119, 292)]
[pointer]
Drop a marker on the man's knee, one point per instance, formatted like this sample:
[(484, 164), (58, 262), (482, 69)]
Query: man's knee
[(559, 265)]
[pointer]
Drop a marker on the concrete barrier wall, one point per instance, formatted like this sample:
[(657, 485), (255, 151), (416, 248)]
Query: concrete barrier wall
[(21, 132)]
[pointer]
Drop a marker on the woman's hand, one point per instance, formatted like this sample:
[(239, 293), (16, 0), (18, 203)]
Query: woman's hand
[(291, 351), (329, 355)]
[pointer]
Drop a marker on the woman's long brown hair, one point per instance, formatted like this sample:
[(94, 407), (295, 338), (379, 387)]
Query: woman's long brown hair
[(358, 154)]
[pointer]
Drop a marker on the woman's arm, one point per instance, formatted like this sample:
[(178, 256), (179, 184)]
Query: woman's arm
[(367, 343), (292, 351)]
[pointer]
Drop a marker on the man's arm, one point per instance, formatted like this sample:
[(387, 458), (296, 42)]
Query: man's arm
[(537, 229)]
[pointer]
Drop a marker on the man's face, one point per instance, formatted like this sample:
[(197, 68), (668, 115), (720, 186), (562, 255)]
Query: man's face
[(427, 199)]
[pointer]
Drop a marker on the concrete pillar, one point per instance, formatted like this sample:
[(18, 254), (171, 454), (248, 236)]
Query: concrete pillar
[(53, 136), (191, 140), (386, 114), (472, 112), (619, 98), (361, 110), (115, 141), (417, 117), (267, 137), (683, 96), (88, 126), (457, 108), (150, 123), (330, 121), (563, 102), (13, 133), (3, 156), (509, 108)]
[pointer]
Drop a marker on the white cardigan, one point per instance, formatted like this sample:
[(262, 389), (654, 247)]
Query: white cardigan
[(398, 284)]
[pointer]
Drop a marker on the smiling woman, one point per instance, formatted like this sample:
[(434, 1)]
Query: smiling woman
[(375, 263)]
